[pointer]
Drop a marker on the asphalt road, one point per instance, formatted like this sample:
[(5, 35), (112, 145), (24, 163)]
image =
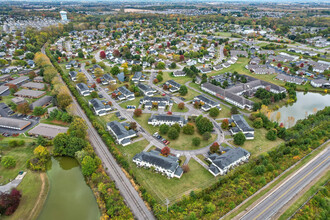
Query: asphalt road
[(269, 206), (131, 196)]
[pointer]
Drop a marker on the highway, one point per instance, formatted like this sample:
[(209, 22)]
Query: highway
[(131, 196), (271, 204)]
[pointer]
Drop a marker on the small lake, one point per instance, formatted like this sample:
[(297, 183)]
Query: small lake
[(306, 104), (121, 77), (69, 197)]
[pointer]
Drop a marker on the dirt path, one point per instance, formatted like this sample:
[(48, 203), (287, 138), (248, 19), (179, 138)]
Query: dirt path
[(41, 198)]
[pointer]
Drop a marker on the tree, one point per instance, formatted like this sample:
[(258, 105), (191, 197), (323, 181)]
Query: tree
[(188, 129), (8, 162), (23, 108), (29, 56), (67, 145), (206, 136), (214, 147), (258, 123), (64, 98), (185, 168), (102, 54), (203, 124), (133, 125), (81, 54), (239, 138), (196, 141), (160, 65), (88, 166), (173, 65), (37, 111), (115, 70), (137, 112), (177, 127), (183, 90), (163, 129), (94, 94), (234, 110), (98, 72), (12, 88), (271, 135), (32, 74), (173, 133), (81, 78), (41, 153), (78, 128), (165, 151), (214, 112), (181, 105), (225, 124), (9, 202), (159, 78)]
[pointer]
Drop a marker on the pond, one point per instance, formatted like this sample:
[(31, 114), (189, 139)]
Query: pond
[(306, 104), (121, 77), (69, 197)]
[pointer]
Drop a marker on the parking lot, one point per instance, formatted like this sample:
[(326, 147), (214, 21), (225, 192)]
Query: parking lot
[(5, 110), (34, 121)]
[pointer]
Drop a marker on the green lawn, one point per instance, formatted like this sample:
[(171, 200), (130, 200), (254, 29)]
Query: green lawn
[(143, 121), (160, 187), (260, 143), (30, 188), (134, 102), (129, 151), (190, 95), (224, 112), (223, 34), (184, 141), (21, 155), (176, 109)]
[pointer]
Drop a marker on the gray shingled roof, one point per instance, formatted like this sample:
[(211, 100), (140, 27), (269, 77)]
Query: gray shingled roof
[(229, 157)]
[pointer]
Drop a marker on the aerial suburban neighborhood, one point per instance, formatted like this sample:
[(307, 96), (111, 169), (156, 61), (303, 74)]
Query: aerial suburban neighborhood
[(164, 110)]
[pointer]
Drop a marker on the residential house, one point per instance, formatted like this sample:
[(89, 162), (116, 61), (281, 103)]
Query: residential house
[(146, 89), (170, 120), (83, 89), (123, 93), (73, 75), (120, 133), (320, 83), (179, 73), (221, 164), (241, 126), (42, 102), (172, 85), (99, 107), (168, 166), (206, 103)]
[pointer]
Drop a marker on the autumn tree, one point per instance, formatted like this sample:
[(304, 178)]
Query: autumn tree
[(12, 88), (181, 105), (81, 78), (41, 153), (225, 124), (9, 202), (78, 128), (102, 54), (165, 151), (98, 72), (133, 125), (64, 98), (258, 123), (185, 168), (23, 108), (137, 112), (214, 147)]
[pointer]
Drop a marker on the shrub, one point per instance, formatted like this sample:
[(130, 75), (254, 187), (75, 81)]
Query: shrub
[(188, 129), (214, 112), (163, 129), (196, 141), (271, 135), (8, 162), (257, 123), (173, 133), (166, 151)]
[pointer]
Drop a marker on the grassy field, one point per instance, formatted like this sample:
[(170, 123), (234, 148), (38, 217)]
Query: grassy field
[(260, 143), (176, 109), (224, 112), (223, 34), (21, 155), (129, 151), (134, 102), (30, 188), (160, 187), (143, 121)]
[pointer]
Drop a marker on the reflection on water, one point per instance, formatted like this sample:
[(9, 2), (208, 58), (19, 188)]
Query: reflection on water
[(306, 104), (69, 197)]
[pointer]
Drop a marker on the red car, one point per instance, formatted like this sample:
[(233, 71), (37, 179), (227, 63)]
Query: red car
[(163, 94), (169, 113)]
